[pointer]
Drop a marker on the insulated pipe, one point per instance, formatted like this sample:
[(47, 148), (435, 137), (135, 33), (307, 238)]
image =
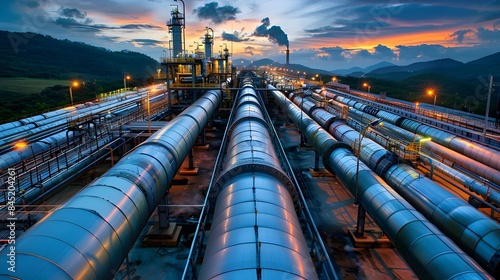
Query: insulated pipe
[(480, 153), (461, 160), (470, 149), (255, 232), (427, 251), (90, 235), (474, 185), (474, 232)]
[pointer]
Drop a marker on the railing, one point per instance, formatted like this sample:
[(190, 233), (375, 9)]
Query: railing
[(195, 85), (33, 171), (465, 127), (178, 60)]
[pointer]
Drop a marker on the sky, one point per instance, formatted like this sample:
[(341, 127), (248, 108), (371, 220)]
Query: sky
[(322, 34)]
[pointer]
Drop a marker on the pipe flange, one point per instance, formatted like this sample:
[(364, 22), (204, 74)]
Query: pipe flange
[(252, 166), (494, 265), (329, 151)]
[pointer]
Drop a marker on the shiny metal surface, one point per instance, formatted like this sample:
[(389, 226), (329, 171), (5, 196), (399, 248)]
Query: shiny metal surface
[(465, 162), (10, 125), (429, 199), (90, 235), (474, 185), (480, 153), (255, 226), (324, 119), (472, 150), (473, 231), (457, 158), (17, 155), (421, 244), (389, 117), (255, 231)]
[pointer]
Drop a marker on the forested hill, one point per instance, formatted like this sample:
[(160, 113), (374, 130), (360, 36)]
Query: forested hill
[(39, 56)]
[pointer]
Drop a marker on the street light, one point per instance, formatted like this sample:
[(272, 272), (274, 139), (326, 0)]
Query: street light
[(149, 113), (431, 93), (73, 84), (125, 78), (20, 145), (360, 227), (367, 85), (320, 80)]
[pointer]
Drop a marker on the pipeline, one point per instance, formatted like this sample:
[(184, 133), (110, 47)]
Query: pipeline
[(255, 232), (476, 186), (477, 158), (472, 150), (474, 232), (90, 235), (407, 229)]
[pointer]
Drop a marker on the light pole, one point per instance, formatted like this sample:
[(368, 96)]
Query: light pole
[(487, 109), (125, 78), (367, 85), (360, 226), (320, 80), (149, 113), (74, 84), (431, 93)]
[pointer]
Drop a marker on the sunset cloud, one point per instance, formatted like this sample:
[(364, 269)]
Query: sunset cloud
[(342, 32)]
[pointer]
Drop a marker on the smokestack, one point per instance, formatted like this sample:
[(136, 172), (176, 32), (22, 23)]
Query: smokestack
[(287, 56)]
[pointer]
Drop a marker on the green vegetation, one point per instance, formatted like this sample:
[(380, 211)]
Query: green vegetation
[(453, 93), (461, 86), (33, 55), (37, 71), (27, 86)]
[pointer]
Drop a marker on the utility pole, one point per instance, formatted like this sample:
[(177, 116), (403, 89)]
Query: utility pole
[(486, 115)]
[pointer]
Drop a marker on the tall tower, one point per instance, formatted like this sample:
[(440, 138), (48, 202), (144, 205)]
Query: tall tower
[(176, 27), (208, 41)]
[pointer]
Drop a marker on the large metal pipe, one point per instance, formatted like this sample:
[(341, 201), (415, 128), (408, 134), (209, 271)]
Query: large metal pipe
[(427, 251), (453, 216), (486, 156), (473, 231), (487, 192), (255, 232), (479, 168), (474, 185), (89, 236), (470, 149)]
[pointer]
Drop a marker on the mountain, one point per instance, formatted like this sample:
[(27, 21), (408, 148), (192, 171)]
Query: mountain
[(39, 56), (402, 72), (475, 71), (481, 67), (358, 71), (491, 60), (260, 62), (268, 62)]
